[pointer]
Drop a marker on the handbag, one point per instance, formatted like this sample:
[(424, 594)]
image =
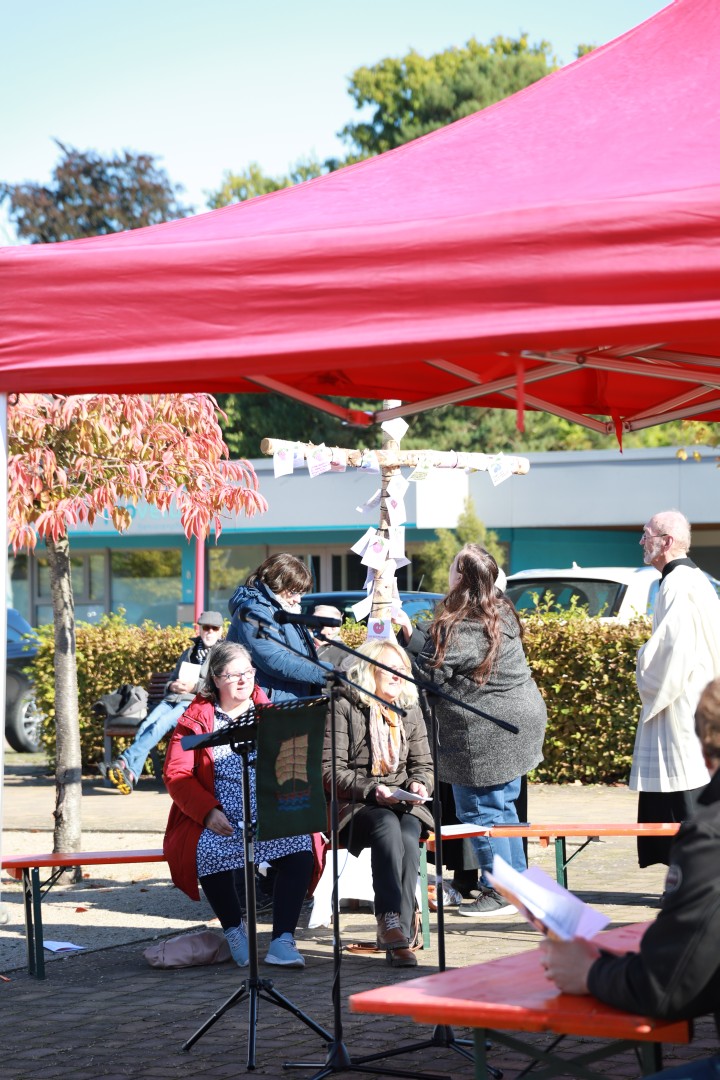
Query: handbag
[(189, 950)]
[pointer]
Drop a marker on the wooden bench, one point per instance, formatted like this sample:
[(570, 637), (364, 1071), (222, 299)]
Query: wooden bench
[(558, 833), (116, 727), (26, 868), (512, 994)]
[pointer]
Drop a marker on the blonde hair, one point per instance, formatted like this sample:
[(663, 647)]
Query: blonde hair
[(362, 672)]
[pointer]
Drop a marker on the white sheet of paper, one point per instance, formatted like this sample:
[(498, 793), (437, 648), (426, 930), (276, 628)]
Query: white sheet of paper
[(362, 609), (189, 673), (283, 461), (369, 461), (397, 485), (395, 428), (376, 552), (61, 946), (380, 629), (499, 469), (420, 471), (407, 796), (396, 512), (372, 502), (319, 460), (360, 545), (339, 461)]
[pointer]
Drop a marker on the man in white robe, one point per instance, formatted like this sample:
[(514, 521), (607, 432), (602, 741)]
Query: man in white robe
[(681, 657)]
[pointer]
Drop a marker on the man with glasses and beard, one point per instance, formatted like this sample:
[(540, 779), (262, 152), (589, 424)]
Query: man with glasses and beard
[(681, 657)]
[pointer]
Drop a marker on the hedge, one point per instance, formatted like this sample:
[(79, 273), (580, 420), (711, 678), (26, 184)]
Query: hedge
[(585, 669)]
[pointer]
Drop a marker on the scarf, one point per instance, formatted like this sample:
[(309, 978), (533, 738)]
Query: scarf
[(386, 736)]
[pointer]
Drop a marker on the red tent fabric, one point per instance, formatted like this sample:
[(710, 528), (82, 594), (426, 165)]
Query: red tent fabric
[(565, 242)]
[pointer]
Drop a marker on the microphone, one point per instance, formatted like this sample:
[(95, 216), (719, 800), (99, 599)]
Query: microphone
[(245, 615), (314, 622)]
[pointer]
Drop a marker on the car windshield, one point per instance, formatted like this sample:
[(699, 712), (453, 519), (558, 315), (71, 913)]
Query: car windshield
[(598, 597)]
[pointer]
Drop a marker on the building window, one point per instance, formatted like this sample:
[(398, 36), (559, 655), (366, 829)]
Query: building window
[(147, 584)]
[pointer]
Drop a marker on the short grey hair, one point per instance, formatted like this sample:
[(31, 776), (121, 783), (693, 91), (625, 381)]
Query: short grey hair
[(674, 524)]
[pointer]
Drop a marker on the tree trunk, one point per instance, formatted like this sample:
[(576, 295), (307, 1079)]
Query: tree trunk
[(68, 765)]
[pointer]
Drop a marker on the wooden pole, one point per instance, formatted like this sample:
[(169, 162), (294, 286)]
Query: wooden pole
[(391, 455)]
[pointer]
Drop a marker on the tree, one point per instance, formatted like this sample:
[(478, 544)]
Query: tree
[(435, 558), (74, 459), (91, 195), (412, 95), (239, 187)]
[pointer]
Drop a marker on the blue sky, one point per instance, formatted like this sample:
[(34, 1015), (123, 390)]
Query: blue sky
[(209, 85)]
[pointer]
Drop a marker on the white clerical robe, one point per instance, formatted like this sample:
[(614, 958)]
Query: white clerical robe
[(673, 668)]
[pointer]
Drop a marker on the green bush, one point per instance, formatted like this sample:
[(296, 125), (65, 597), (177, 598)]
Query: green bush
[(585, 668), (109, 654)]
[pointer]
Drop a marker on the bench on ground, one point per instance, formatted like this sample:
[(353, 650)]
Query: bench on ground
[(26, 868), (116, 727), (558, 833), (512, 994)]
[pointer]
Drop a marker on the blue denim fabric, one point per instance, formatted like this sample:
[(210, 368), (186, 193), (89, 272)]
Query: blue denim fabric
[(493, 805), (162, 719)]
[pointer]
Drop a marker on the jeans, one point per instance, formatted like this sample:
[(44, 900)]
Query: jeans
[(162, 719), (494, 805)]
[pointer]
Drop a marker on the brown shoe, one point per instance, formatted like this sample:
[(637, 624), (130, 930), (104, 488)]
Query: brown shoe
[(391, 938)]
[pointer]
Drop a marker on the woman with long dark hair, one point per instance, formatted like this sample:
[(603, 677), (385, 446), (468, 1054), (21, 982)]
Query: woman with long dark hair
[(474, 652)]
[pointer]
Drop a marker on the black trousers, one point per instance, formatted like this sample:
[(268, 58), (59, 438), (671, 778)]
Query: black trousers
[(225, 892), (394, 841), (663, 806)]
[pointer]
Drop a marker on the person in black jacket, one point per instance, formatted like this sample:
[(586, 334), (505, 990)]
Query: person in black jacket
[(676, 974)]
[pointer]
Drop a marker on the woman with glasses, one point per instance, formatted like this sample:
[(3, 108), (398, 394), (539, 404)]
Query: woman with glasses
[(277, 585), (204, 836), (377, 751)]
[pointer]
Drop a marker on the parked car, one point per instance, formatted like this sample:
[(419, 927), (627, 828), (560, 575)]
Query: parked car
[(414, 603), (23, 719), (611, 592)]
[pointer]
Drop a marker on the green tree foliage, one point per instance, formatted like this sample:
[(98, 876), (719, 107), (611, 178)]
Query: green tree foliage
[(238, 187), (435, 558), (90, 195), (412, 95)]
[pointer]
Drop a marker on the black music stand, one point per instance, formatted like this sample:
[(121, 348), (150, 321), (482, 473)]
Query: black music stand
[(241, 737)]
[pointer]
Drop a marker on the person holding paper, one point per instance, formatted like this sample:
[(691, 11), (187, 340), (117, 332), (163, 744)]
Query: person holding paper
[(474, 652), (381, 759), (676, 974), (181, 688), (277, 585)]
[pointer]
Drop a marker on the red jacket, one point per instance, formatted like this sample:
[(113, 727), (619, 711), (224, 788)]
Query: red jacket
[(190, 778)]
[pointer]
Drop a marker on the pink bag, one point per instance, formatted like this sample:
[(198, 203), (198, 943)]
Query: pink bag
[(189, 950)]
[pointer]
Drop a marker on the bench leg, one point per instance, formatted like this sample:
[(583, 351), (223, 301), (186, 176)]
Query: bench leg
[(650, 1055), (424, 903), (560, 861), (33, 923)]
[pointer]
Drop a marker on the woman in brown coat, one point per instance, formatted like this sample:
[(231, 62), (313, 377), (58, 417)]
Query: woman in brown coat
[(377, 752)]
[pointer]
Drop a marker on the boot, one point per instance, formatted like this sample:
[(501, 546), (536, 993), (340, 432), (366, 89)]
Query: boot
[(391, 937)]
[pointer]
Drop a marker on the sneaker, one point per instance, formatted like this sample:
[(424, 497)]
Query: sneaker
[(488, 904), (451, 896), (284, 952), (119, 775), (238, 942)]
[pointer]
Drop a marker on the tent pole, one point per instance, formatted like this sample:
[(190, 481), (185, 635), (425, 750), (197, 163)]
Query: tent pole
[(3, 619), (199, 577)]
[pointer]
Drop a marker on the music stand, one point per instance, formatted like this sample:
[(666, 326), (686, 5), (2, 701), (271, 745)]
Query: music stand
[(241, 737)]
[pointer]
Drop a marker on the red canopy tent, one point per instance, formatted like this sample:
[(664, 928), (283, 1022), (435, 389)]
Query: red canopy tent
[(562, 246)]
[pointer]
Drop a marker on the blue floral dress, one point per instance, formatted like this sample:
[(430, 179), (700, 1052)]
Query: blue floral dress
[(216, 853)]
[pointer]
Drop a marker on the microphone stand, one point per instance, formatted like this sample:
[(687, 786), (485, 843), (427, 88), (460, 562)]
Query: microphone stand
[(240, 737), (338, 1058)]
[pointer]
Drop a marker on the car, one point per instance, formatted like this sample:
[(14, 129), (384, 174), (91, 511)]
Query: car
[(414, 603), (619, 593), (23, 719)]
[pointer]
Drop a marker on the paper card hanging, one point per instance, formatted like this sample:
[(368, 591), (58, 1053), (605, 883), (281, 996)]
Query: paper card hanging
[(283, 460), (360, 545), (421, 470), (369, 461), (339, 461), (499, 469), (396, 539), (397, 485), (395, 510), (381, 629), (376, 552), (362, 609), (319, 460), (371, 504), (395, 428)]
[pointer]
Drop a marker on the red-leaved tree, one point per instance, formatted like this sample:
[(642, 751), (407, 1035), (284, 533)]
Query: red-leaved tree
[(74, 459)]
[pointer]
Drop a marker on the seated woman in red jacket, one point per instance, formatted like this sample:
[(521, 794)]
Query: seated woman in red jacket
[(204, 838)]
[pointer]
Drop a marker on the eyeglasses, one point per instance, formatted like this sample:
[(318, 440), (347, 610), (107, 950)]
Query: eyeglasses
[(236, 676), (645, 535), (208, 628)]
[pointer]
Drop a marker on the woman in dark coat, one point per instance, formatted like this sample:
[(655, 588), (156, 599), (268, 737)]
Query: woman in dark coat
[(376, 752), (277, 585), (474, 652)]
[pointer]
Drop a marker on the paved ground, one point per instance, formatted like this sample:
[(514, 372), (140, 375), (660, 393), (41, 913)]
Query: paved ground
[(105, 1013)]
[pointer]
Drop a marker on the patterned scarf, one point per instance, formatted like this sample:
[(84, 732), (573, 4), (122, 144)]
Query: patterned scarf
[(386, 736)]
